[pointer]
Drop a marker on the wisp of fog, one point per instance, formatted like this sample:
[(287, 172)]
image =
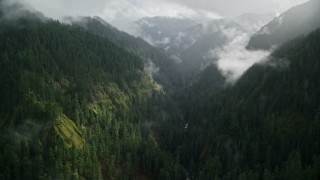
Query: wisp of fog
[(234, 59)]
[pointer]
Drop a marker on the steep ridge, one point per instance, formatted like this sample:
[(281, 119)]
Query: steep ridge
[(193, 45), (166, 72), (266, 125), (76, 106), (299, 20), (158, 30), (211, 36), (183, 40), (77, 102)]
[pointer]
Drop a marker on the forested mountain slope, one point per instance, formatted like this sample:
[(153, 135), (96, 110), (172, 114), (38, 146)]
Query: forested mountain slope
[(264, 127), (299, 20), (76, 106), (166, 71), (77, 102)]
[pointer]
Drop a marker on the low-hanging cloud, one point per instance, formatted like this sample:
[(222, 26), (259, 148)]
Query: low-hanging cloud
[(122, 13), (13, 8), (234, 59), (229, 8), (151, 69)]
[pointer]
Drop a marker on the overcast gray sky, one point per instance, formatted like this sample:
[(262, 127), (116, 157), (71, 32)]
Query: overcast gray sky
[(121, 12)]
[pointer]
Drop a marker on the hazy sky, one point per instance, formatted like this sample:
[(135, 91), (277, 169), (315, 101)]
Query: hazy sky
[(120, 12)]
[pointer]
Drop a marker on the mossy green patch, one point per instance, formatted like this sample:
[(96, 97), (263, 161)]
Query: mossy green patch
[(96, 107), (68, 131)]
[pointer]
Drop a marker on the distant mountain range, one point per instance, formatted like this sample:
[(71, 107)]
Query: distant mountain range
[(190, 41), (81, 99), (158, 30)]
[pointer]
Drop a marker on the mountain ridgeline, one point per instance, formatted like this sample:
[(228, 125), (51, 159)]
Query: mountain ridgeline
[(299, 20), (159, 30), (169, 74), (76, 106), (266, 126), (83, 100), (190, 42)]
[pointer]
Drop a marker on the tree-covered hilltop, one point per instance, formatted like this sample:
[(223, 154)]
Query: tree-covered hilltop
[(264, 127), (76, 106)]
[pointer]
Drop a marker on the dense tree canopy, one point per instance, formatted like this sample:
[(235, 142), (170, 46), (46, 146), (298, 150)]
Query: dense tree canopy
[(76, 103), (266, 126), (74, 106)]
